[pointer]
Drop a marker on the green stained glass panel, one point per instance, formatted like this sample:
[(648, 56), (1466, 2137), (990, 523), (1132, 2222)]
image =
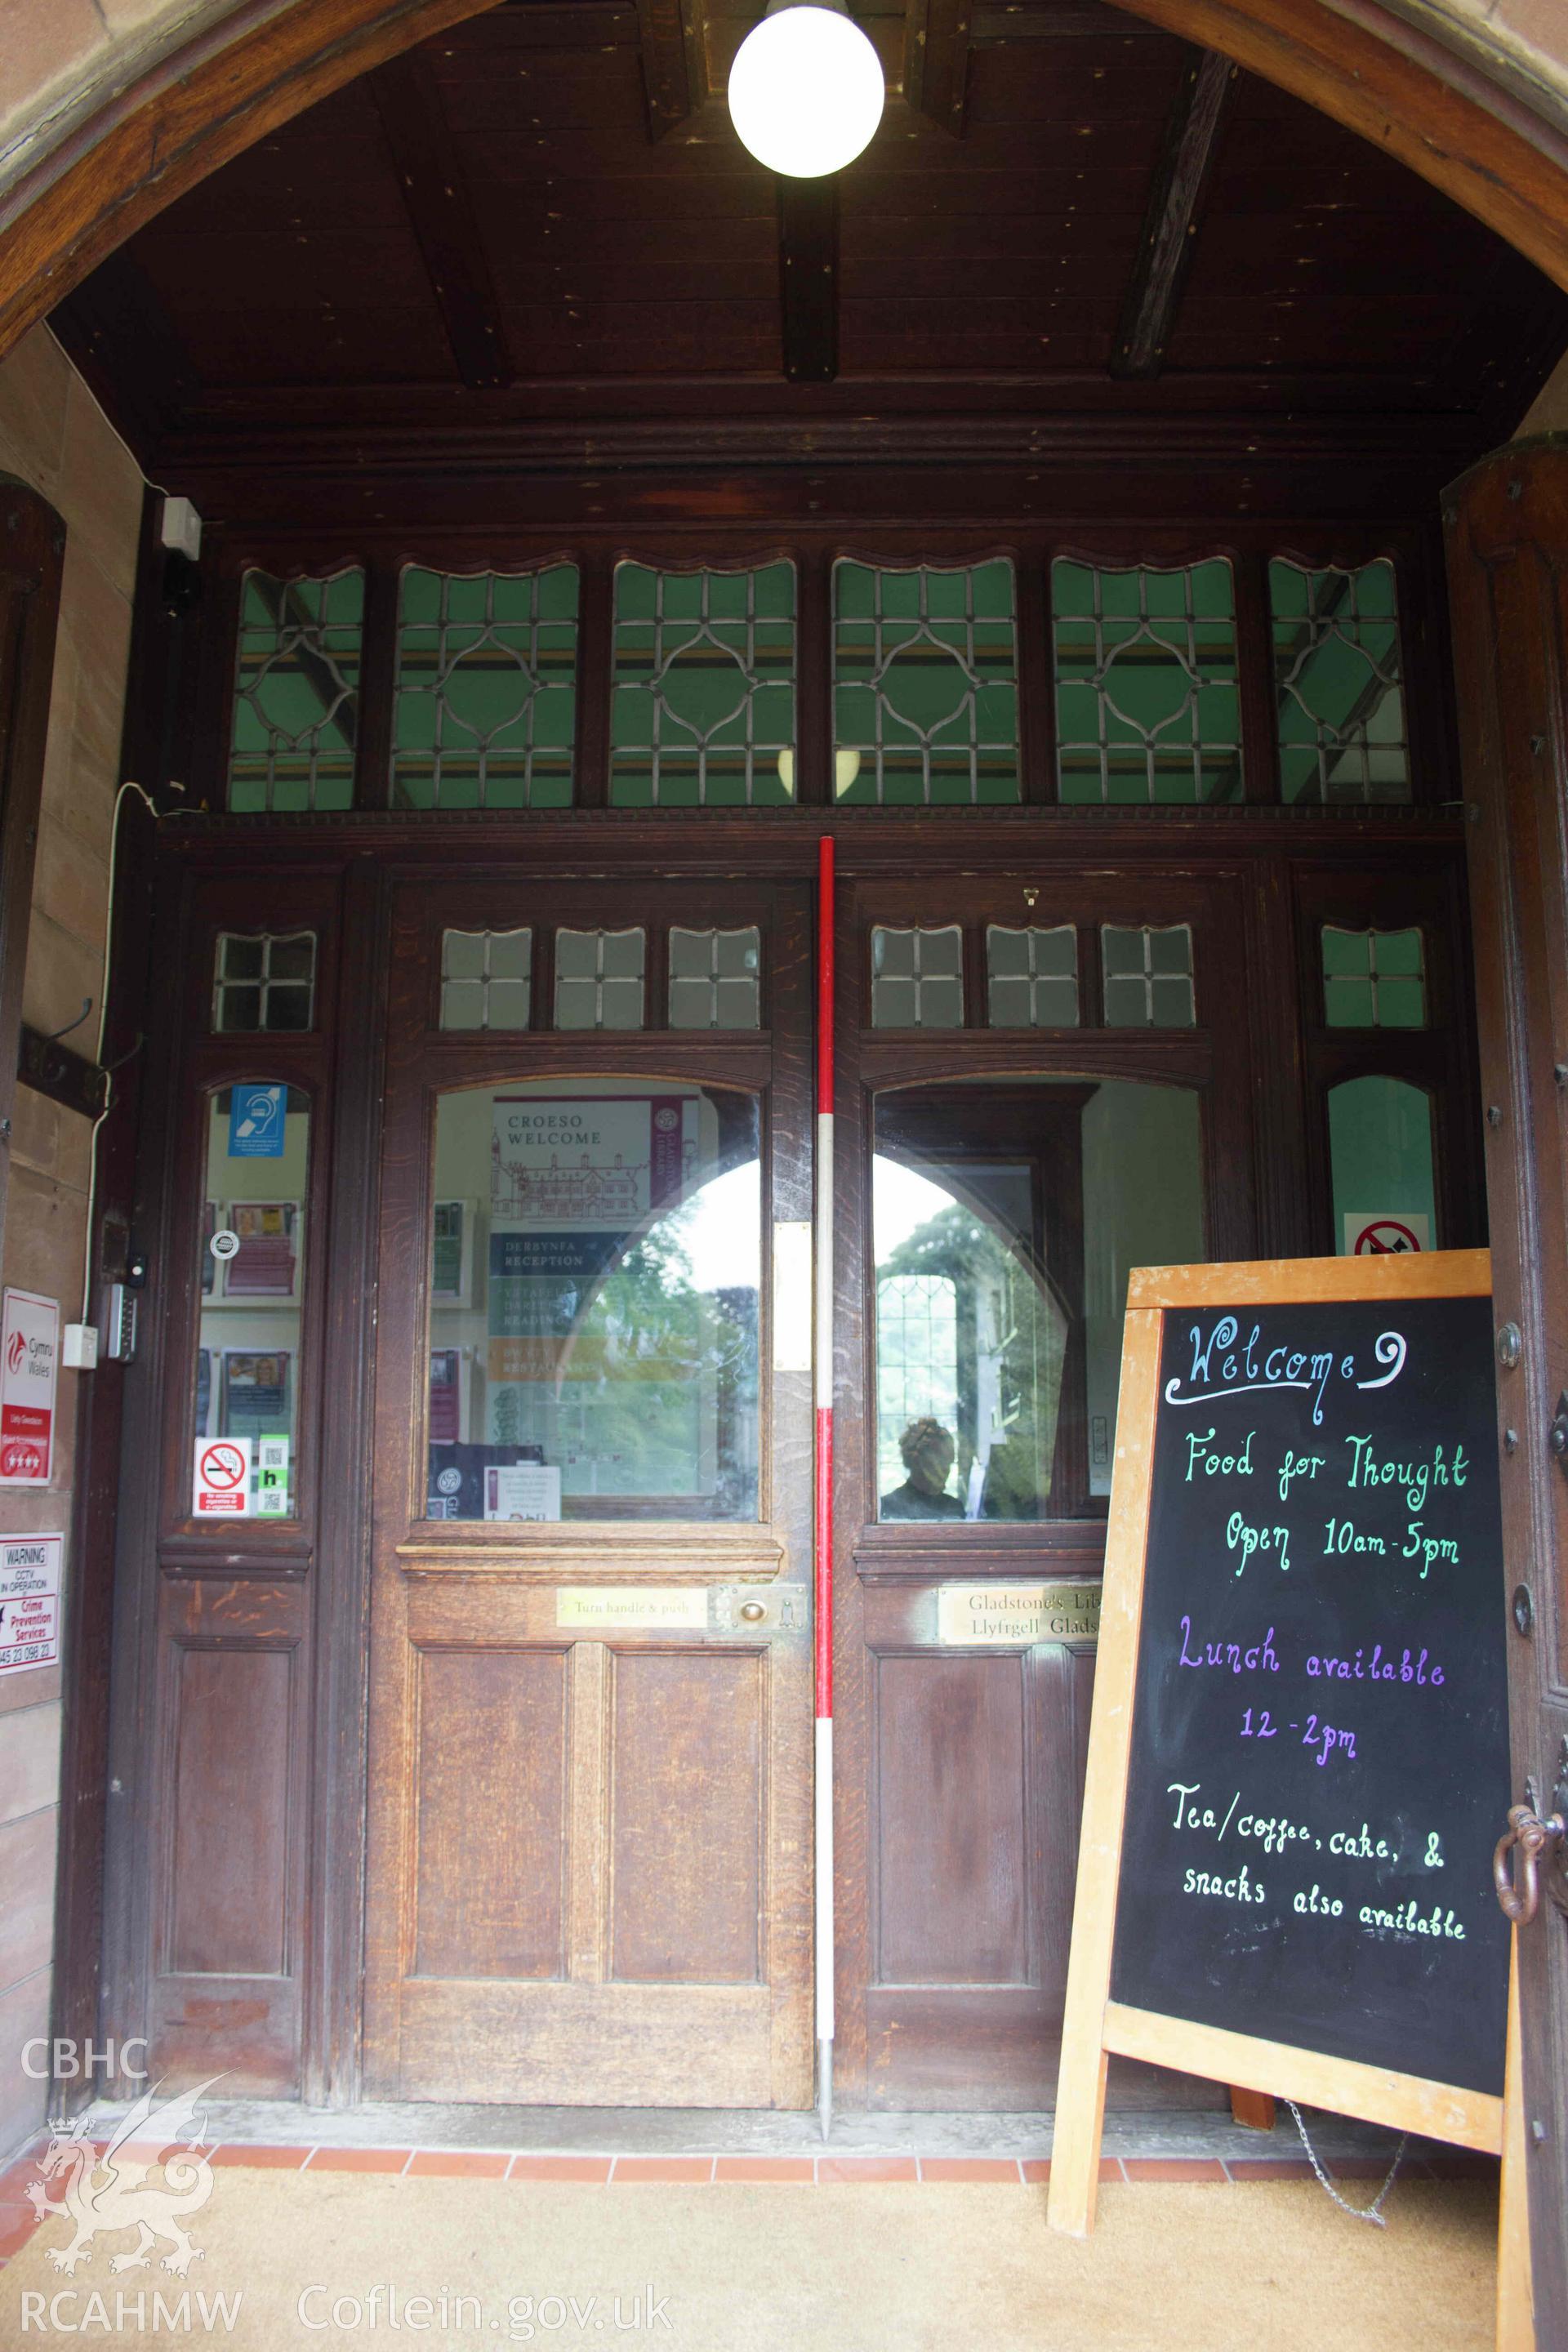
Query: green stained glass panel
[(485, 712), (1337, 686), (703, 714), (1147, 710), (296, 700), (925, 686)]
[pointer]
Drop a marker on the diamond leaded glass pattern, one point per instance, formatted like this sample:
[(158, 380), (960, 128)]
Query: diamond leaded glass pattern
[(1147, 708), (704, 713), (1337, 683), (485, 713), (925, 691), (1374, 979), (296, 694)]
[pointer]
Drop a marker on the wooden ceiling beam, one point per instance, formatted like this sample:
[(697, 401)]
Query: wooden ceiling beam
[(1171, 224), (809, 277), (429, 168), (936, 60), (674, 62)]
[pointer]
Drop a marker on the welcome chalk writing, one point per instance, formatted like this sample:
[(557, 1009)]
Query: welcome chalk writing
[(1260, 1364), (1318, 1760)]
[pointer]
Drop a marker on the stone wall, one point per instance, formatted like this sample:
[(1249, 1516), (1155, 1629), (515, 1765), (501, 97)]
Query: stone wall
[(54, 436)]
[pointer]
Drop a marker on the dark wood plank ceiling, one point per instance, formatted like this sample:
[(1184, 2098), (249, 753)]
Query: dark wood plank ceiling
[(542, 221)]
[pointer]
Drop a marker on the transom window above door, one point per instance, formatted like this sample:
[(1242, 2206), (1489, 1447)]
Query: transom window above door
[(702, 713), (750, 678), (627, 977)]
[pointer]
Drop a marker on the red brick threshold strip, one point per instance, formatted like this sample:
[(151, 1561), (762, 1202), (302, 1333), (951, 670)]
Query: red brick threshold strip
[(18, 2220)]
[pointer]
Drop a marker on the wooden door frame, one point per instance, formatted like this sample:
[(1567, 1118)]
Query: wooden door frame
[(768, 1063)]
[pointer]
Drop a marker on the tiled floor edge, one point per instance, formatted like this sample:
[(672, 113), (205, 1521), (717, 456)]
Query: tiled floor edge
[(18, 2221)]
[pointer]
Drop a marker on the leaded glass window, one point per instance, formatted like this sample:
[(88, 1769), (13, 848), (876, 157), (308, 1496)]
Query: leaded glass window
[(1148, 977), (1374, 979), (264, 980), (599, 979), (703, 712), (1147, 708), (925, 691), (714, 978), (1337, 683), (916, 979), (296, 696), (486, 979), (1031, 977), (485, 713)]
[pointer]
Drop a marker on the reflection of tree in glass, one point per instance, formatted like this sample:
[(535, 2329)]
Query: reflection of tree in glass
[(1011, 1334), (674, 1370)]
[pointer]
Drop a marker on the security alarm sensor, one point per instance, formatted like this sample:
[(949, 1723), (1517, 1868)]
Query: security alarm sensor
[(180, 527), (80, 1352)]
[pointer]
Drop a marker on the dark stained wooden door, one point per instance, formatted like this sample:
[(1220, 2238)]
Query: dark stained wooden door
[(961, 1765), (1508, 553), (589, 1872)]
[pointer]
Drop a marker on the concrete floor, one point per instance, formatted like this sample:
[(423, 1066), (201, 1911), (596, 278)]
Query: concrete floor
[(332, 2258)]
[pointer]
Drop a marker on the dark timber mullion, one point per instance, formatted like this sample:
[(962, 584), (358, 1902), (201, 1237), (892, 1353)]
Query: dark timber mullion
[(814, 778), (1255, 701), (378, 676), (595, 677), (1037, 679)]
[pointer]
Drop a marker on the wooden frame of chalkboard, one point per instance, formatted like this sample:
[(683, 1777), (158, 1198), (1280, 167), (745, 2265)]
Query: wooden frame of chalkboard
[(1230, 1336)]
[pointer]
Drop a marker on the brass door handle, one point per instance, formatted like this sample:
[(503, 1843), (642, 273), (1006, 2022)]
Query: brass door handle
[(1532, 1837)]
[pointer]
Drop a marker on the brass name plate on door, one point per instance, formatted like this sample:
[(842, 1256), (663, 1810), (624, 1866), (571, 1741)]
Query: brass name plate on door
[(635, 1608), (1007, 1616)]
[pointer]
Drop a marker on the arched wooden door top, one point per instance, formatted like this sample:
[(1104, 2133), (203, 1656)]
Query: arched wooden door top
[(1468, 105)]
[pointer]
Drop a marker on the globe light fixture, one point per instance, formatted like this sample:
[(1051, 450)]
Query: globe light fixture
[(805, 89)]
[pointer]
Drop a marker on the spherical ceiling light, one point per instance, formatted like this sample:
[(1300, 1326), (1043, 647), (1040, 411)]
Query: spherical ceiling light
[(805, 89)]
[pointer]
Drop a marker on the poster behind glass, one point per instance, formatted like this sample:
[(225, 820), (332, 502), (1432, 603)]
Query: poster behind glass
[(596, 1269)]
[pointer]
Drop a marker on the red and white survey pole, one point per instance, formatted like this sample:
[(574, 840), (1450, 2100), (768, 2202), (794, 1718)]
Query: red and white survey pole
[(822, 1393)]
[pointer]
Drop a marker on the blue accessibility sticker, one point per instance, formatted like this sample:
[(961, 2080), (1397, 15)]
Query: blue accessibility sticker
[(257, 1123)]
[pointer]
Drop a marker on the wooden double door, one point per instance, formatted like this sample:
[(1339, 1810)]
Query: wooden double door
[(590, 1700)]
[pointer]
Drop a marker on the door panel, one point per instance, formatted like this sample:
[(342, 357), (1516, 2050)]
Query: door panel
[(231, 1812), (490, 1801), (951, 1875), (1507, 556), (590, 1792), (687, 1815)]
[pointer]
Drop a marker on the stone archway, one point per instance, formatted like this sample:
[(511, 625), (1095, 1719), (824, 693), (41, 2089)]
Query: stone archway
[(113, 107)]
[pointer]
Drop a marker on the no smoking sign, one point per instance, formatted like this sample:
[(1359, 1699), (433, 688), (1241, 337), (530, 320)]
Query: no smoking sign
[(222, 1478)]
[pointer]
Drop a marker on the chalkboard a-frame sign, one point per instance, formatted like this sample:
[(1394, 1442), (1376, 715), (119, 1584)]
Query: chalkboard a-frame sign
[(1298, 1763)]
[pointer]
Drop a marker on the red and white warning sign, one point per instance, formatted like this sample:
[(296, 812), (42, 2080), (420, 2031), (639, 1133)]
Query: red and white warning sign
[(29, 1360), (223, 1478), (29, 1600), (1371, 1235)]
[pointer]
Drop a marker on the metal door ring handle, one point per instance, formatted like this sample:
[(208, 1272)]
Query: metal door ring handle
[(1532, 1836)]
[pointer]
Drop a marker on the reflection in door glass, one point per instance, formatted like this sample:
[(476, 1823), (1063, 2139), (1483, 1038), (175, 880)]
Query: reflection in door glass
[(595, 1270), (1007, 1217), (251, 1280)]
